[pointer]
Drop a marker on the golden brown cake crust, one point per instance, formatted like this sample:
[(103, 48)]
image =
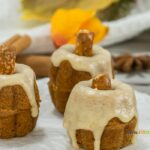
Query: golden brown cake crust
[(115, 136), (15, 112), (62, 80)]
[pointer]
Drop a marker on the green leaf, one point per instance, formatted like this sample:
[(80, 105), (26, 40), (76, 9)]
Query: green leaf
[(117, 10)]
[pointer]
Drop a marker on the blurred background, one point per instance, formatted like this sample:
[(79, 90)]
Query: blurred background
[(128, 36)]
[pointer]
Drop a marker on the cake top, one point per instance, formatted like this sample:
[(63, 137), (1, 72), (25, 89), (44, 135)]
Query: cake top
[(25, 77), (84, 56), (104, 92)]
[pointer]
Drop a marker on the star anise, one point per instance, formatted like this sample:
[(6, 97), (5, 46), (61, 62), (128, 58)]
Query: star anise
[(128, 63)]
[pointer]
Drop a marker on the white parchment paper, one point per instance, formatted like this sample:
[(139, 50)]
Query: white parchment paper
[(49, 133)]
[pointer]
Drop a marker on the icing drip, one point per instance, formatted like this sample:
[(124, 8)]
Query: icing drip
[(92, 109), (94, 65), (24, 77)]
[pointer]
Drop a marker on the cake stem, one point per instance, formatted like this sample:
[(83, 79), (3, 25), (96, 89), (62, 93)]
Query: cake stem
[(84, 43), (102, 82), (7, 59)]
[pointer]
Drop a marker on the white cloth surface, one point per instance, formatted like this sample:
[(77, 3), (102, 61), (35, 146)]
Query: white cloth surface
[(136, 78), (120, 30), (49, 133)]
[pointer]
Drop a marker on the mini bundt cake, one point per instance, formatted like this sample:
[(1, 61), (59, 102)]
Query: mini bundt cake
[(71, 64), (19, 96), (101, 114)]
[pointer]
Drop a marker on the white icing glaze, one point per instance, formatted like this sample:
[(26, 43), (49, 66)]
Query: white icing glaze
[(92, 109), (94, 65), (24, 77)]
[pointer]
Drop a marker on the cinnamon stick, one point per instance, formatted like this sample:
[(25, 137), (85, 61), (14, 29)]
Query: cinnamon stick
[(22, 43), (84, 43), (40, 64), (101, 82), (19, 42), (13, 39)]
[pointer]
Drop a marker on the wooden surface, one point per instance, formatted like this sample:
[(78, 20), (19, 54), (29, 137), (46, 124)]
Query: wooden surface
[(139, 44)]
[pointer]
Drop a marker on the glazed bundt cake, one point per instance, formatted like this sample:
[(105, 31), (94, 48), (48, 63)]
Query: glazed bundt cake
[(71, 64), (100, 114), (19, 96)]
